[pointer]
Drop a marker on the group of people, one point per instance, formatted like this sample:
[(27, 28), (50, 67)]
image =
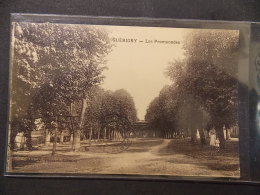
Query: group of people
[(214, 140)]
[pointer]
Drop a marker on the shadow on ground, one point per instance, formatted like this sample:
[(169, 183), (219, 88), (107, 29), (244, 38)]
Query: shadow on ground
[(143, 145), (226, 160), (23, 160)]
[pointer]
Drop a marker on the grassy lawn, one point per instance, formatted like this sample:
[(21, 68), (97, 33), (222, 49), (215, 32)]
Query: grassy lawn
[(144, 156), (226, 160)]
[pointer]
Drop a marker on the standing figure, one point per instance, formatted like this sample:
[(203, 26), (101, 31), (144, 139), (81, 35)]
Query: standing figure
[(228, 134), (225, 132), (212, 135), (197, 135)]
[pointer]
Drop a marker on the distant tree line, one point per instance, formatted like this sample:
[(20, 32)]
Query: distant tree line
[(203, 93)]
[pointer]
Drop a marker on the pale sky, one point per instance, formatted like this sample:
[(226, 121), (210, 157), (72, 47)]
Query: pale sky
[(138, 66)]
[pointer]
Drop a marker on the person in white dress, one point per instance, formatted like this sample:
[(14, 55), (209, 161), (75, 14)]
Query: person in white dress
[(212, 135), (20, 140), (197, 135)]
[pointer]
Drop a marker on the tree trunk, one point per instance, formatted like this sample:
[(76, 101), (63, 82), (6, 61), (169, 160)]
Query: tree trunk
[(71, 139), (23, 140), (90, 136), (206, 133), (98, 136), (117, 135), (202, 136), (12, 140), (9, 166), (61, 137), (220, 136), (193, 135), (28, 136), (72, 126), (105, 133), (55, 136), (47, 137), (228, 134), (76, 138)]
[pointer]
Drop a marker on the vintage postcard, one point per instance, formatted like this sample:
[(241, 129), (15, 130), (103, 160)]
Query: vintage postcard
[(136, 100)]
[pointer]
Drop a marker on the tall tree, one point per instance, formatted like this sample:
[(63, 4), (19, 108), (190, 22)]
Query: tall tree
[(118, 110), (209, 74), (63, 60), (93, 117), (161, 113)]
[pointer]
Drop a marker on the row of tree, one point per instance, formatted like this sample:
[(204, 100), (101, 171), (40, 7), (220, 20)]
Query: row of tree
[(56, 72), (203, 94), (109, 114)]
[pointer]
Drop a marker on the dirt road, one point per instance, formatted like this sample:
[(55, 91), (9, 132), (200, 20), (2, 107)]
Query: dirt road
[(145, 157)]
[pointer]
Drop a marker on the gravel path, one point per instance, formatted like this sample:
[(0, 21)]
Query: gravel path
[(152, 162)]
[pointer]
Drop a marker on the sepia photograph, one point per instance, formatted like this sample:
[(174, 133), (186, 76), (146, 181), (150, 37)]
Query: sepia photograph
[(123, 100)]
